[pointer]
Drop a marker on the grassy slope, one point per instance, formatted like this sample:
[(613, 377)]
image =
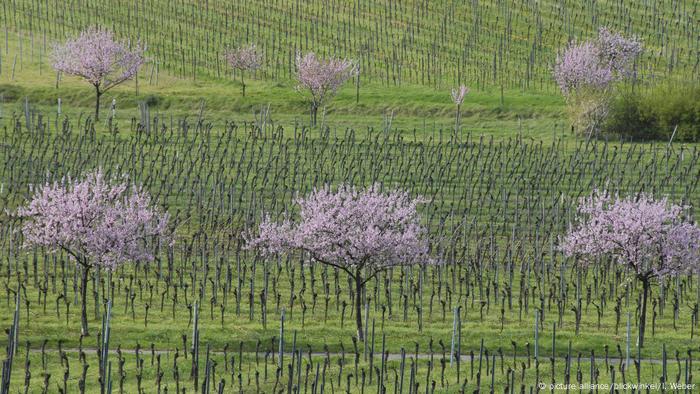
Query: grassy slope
[(423, 108), (538, 112), (447, 383), (532, 182), (437, 43), (410, 54), (413, 107)]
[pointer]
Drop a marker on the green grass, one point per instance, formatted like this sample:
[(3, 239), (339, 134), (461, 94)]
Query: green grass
[(539, 203), (441, 43), (413, 107), (328, 328), (244, 374), (503, 51), (521, 186)]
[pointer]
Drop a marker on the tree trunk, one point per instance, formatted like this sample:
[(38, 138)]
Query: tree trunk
[(643, 317), (457, 119), (314, 110), (358, 305), (242, 83), (98, 94), (83, 296)]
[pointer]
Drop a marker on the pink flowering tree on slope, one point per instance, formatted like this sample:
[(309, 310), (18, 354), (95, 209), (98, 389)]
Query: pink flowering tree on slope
[(244, 59), (98, 58), (359, 232), (586, 73), (95, 222), (653, 238), (320, 79)]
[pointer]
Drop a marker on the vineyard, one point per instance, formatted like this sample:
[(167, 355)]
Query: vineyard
[(503, 50), (501, 43), (197, 271), (212, 309)]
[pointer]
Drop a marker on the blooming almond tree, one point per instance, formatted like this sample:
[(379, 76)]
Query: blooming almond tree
[(99, 59), (594, 65), (244, 59), (97, 223), (580, 68), (320, 79), (360, 232), (617, 52), (653, 238), (457, 98), (586, 71)]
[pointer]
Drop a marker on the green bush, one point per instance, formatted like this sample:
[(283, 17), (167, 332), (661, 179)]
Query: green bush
[(11, 92), (152, 100), (655, 112)]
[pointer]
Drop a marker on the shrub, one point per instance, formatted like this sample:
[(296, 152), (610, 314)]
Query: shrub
[(677, 107), (152, 100), (11, 92), (654, 113), (628, 117), (586, 73)]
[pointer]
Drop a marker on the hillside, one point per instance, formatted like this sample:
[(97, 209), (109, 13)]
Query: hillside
[(431, 43), (410, 54)]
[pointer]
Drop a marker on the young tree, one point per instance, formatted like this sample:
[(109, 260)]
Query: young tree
[(654, 238), (244, 59), (585, 73), (97, 223), (580, 69), (321, 79), (618, 53), (99, 59), (360, 232), (458, 98)]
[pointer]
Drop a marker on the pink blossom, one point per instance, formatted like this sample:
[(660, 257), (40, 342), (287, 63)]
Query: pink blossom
[(99, 59), (617, 52), (594, 65), (351, 228), (458, 94), (244, 58), (579, 67), (320, 78), (360, 232), (94, 222), (652, 237), (96, 57)]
